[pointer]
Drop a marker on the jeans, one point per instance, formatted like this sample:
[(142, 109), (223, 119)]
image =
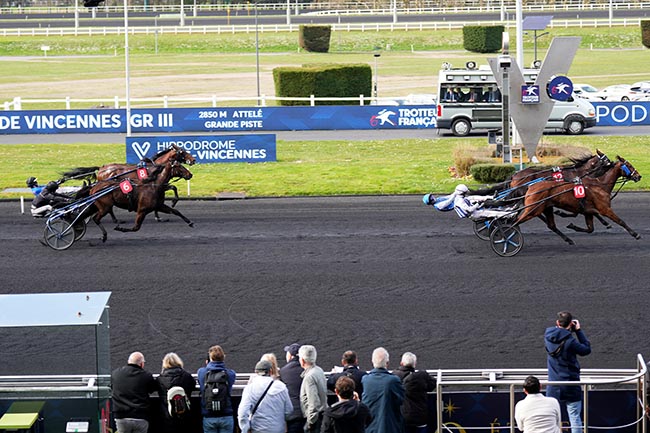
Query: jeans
[(574, 409), (223, 424), (132, 425)]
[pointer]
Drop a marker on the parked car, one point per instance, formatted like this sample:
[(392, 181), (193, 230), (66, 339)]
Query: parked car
[(620, 92), (585, 91)]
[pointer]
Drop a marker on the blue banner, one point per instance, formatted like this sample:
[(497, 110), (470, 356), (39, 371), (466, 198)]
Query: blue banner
[(161, 120), (207, 149), (622, 113), (261, 119)]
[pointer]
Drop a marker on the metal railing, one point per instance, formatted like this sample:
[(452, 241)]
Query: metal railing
[(512, 379)]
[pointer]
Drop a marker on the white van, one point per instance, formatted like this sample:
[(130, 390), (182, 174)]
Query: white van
[(469, 98)]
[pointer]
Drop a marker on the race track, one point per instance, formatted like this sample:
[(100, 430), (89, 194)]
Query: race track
[(340, 273)]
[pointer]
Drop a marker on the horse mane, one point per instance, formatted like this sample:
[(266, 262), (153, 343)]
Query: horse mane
[(579, 162), (161, 153)]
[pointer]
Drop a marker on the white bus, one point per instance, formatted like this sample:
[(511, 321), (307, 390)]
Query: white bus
[(469, 98)]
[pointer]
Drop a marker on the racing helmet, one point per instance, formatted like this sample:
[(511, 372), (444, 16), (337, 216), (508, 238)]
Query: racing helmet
[(428, 199), (32, 182), (52, 186), (461, 189)]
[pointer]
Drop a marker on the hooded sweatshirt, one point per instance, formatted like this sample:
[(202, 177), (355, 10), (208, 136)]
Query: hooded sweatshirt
[(562, 362), (346, 416)]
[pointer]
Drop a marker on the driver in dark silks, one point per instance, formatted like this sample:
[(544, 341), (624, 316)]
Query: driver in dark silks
[(48, 199)]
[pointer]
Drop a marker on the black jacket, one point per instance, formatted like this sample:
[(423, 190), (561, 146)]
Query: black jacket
[(417, 385), (131, 388), (349, 416), (290, 374), (353, 372), (169, 378)]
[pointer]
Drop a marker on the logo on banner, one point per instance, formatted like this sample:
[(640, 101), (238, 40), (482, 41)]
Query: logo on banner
[(126, 186), (530, 94), (579, 191), (141, 149), (382, 118), (559, 88), (143, 173)]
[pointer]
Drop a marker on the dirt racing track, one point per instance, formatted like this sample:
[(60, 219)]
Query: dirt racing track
[(340, 273)]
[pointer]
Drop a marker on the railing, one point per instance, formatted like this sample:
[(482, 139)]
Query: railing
[(430, 6), (513, 379), (17, 387), (213, 101), (279, 28)]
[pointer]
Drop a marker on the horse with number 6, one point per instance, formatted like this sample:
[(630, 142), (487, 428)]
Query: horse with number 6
[(143, 196), (590, 197)]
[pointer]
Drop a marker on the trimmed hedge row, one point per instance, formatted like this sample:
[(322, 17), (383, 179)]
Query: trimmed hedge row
[(483, 39), (492, 173), (314, 38), (645, 33), (323, 81)]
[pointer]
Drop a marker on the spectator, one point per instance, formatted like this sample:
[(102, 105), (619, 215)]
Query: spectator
[(291, 375), (313, 391), (217, 418), (350, 369), (270, 357), (348, 415), (132, 385), (173, 374), (563, 365), (265, 403), (417, 385), (537, 413), (383, 393)]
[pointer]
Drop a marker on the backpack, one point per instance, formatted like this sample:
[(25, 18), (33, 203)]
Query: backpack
[(178, 405), (216, 393)]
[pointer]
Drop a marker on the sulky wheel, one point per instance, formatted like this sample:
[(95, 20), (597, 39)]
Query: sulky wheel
[(482, 229), (79, 226), (506, 240), (59, 235)]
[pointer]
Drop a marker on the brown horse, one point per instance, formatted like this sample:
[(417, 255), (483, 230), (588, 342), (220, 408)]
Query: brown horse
[(543, 196), (122, 171), (147, 196)]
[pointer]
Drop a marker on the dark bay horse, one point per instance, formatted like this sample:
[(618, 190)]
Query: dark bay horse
[(148, 195), (541, 197), (121, 171)]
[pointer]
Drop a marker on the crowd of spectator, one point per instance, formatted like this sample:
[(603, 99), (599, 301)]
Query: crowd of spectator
[(294, 398)]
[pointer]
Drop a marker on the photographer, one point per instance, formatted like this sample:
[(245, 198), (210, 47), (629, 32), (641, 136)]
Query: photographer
[(563, 348)]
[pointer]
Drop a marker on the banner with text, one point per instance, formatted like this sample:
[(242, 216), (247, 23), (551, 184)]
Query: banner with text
[(161, 120), (207, 149), (622, 113)]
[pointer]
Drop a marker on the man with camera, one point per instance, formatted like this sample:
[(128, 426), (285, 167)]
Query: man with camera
[(563, 348)]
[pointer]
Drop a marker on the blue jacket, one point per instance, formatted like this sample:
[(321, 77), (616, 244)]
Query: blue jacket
[(216, 366), (563, 365), (383, 393)]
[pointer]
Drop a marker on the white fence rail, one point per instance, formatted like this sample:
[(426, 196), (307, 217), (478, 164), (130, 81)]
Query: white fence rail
[(278, 28), (428, 6), (117, 102)]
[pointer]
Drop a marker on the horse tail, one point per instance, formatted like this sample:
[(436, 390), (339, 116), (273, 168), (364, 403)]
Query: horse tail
[(86, 173)]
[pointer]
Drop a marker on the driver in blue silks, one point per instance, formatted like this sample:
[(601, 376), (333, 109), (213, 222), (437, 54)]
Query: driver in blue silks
[(466, 206)]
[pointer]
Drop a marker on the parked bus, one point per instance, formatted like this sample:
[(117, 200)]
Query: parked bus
[(469, 98)]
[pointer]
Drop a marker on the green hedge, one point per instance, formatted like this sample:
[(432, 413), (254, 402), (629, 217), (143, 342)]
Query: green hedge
[(483, 39), (645, 33), (315, 38), (489, 173), (322, 81)]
